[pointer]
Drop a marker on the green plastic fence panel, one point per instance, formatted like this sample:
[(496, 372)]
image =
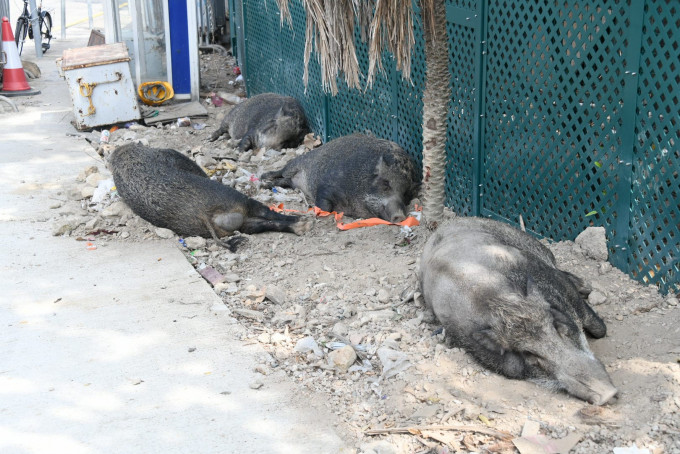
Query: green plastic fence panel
[(409, 102), (312, 98), (554, 103), (462, 148), (262, 46), (368, 110), (655, 212)]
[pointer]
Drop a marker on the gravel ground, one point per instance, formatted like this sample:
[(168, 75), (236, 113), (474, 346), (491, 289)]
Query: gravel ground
[(334, 310)]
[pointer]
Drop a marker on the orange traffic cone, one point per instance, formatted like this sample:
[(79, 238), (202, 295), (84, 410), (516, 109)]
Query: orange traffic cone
[(13, 77)]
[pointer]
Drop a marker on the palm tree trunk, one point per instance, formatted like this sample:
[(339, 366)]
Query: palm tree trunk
[(435, 105)]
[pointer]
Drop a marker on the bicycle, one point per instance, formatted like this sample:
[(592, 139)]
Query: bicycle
[(24, 28)]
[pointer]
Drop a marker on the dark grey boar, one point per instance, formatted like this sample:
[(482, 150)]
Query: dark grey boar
[(500, 296), (359, 175), (267, 120), (171, 191)]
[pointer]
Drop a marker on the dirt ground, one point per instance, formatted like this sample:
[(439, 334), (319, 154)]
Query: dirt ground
[(304, 298)]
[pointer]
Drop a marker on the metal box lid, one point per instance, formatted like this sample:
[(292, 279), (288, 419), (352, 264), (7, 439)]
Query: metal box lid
[(85, 57)]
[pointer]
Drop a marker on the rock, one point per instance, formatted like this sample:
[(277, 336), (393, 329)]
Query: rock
[(264, 338), (205, 161), (619, 317), (342, 358), (248, 313), (671, 299), (92, 223), (377, 316), (279, 338), (93, 179), (87, 191), (87, 172), (257, 384), (125, 235), (383, 296), (164, 233), (370, 292), (63, 227), (275, 294), (116, 209), (195, 242), (593, 243), (340, 329), (231, 277), (604, 268), (378, 447), (308, 344), (596, 298)]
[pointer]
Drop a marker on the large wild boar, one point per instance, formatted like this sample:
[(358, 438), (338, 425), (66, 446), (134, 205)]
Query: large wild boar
[(359, 175), (500, 296), (171, 191), (266, 120)]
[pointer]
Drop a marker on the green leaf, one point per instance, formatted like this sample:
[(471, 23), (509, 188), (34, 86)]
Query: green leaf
[(591, 213), (598, 163)]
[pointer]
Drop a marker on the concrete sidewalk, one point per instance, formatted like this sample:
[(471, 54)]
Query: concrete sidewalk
[(97, 346)]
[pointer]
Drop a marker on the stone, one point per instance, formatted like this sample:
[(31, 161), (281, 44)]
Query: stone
[(264, 338), (604, 268), (340, 329), (87, 172), (125, 235), (251, 314), (195, 242), (671, 299), (593, 243), (231, 277), (596, 298), (205, 161), (93, 179), (87, 192), (275, 294), (342, 358), (164, 233), (257, 384), (279, 338), (116, 209), (63, 227), (383, 296), (378, 447)]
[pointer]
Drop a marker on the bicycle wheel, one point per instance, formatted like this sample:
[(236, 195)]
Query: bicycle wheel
[(20, 33), (45, 30)]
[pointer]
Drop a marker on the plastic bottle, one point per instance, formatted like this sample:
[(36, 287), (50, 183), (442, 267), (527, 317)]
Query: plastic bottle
[(104, 138)]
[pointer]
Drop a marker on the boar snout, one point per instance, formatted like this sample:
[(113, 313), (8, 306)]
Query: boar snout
[(587, 379), (394, 211)]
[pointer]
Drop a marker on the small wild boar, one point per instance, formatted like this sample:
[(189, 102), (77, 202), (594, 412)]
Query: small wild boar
[(266, 120), (359, 175), (171, 191), (499, 295)]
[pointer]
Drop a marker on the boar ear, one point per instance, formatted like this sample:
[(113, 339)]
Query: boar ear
[(380, 167), (488, 339)]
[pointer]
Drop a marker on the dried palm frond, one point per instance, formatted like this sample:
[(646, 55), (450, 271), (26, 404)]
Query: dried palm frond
[(330, 27)]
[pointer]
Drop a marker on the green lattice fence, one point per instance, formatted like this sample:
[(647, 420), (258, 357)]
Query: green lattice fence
[(564, 112)]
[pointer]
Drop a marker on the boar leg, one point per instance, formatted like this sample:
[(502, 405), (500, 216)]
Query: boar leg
[(275, 178), (592, 322), (583, 288), (221, 130), (290, 225), (491, 355), (226, 222), (246, 142)]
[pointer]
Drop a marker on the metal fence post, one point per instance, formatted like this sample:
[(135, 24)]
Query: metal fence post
[(37, 39), (63, 19), (4, 8)]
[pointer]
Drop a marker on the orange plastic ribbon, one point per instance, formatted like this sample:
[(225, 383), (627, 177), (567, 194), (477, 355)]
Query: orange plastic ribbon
[(370, 222)]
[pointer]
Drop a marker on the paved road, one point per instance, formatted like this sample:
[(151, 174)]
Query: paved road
[(94, 345)]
